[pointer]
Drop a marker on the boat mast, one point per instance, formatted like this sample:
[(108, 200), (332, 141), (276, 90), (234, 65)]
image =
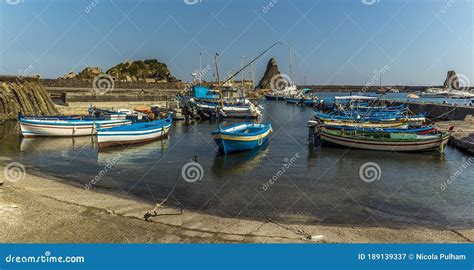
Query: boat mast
[(200, 68), (221, 100), (242, 76), (289, 61)]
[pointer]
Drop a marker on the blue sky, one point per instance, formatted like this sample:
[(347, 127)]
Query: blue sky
[(340, 41)]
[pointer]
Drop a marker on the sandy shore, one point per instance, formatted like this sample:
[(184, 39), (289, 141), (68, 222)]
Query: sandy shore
[(40, 209)]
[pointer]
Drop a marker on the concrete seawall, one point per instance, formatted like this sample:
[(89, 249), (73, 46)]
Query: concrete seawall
[(438, 111)]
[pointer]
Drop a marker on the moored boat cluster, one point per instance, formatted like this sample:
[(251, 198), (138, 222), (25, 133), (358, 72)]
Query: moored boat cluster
[(367, 123)]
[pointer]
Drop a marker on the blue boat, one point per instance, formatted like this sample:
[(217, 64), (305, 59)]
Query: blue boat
[(134, 133), (241, 136), (293, 100)]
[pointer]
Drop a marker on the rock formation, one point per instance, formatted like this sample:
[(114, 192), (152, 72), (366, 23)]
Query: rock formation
[(452, 80), (89, 73), (70, 75), (26, 96), (148, 70), (271, 72)]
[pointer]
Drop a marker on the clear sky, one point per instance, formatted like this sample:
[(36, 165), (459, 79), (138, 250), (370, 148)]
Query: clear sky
[(339, 41)]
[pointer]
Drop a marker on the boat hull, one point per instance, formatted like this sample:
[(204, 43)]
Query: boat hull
[(271, 97), (234, 142), (388, 145), (293, 100), (395, 124), (113, 138), (231, 146), (39, 128)]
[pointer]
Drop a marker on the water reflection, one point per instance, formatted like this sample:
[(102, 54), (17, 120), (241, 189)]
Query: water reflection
[(239, 163)]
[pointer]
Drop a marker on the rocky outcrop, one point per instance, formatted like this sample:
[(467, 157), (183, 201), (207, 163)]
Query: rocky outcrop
[(70, 75), (89, 73), (271, 72), (148, 70), (452, 80), (26, 96)]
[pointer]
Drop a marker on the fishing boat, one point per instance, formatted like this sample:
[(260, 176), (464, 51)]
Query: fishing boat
[(134, 133), (32, 126), (241, 136), (274, 96), (418, 130), (385, 140), (368, 124)]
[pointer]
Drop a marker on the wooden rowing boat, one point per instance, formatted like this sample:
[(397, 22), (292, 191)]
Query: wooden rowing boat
[(64, 126), (386, 141), (134, 133), (387, 124), (241, 136)]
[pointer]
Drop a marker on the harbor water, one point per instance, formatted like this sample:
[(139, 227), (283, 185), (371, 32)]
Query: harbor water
[(287, 180)]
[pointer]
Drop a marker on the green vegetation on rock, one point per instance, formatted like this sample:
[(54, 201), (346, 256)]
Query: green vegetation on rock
[(140, 70)]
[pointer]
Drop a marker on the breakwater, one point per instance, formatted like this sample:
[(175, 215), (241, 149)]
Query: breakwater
[(23, 94), (437, 111)]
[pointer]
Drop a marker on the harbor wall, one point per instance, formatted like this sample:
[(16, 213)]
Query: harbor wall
[(68, 95), (80, 108), (437, 111), (23, 94)]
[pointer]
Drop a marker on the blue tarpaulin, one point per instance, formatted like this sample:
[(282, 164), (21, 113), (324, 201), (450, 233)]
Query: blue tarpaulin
[(203, 92)]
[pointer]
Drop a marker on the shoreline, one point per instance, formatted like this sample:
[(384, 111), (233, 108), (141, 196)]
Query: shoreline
[(40, 209)]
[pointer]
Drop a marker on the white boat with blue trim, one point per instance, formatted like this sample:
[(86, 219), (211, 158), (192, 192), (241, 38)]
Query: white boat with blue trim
[(241, 136), (64, 126), (134, 133)]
